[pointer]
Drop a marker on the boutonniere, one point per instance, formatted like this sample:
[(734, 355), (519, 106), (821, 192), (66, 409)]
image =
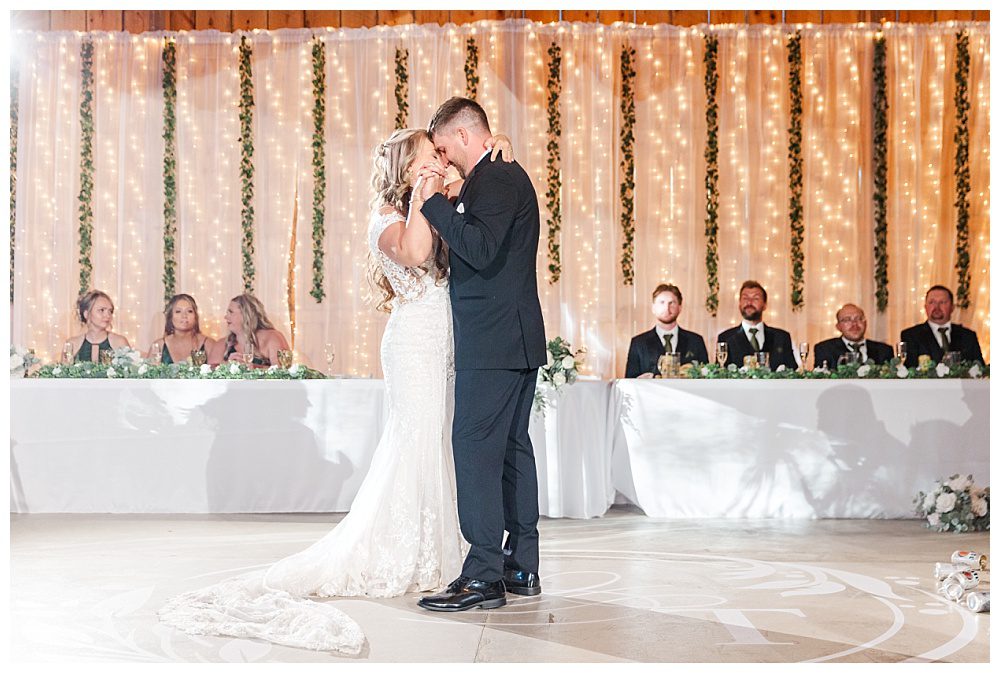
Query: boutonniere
[(461, 208)]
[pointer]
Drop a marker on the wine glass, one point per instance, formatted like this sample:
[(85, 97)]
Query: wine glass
[(901, 352), (68, 352), (284, 359), (248, 354), (199, 357), (721, 353), (763, 359), (803, 353), (155, 353), (105, 358), (330, 356)]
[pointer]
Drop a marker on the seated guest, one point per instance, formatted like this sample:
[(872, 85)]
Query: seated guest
[(752, 335), (938, 335), (645, 350), (249, 329), (181, 332), (851, 323), (96, 311)]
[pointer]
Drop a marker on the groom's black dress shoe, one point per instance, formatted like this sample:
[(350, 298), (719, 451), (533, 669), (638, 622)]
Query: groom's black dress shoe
[(465, 593), (522, 583)]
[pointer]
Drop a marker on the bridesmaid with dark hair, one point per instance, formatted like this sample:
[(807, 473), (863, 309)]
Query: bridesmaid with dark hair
[(96, 311), (181, 332)]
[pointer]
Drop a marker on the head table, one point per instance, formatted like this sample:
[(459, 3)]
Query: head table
[(675, 447)]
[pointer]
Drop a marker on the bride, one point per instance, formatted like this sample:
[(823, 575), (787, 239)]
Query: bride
[(402, 533)]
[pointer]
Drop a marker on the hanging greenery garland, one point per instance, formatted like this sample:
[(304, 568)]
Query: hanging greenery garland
[(795, 213), (86, 196), (554, 162), (627, 187), (712, 173), (169, 169), (246, 161), (402, 87), (962, 173), (13, 168), (880, 152), (319, 166), (471, 68)]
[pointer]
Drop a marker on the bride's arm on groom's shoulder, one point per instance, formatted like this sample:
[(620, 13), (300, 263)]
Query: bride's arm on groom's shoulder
[(500, 146)]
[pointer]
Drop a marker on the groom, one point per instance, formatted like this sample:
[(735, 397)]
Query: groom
[(492, 236)]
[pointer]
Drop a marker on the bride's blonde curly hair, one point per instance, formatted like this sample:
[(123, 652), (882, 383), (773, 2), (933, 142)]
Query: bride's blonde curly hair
[(391, 164)]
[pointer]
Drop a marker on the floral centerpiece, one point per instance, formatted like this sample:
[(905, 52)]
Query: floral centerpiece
[(956, 505), (561, 368), (128, 369), (890, 370), (21, 360)]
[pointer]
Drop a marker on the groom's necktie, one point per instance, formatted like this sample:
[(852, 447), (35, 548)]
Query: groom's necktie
[(754, 344)]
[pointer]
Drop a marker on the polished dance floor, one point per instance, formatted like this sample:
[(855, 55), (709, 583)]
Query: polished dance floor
[(85, 588)]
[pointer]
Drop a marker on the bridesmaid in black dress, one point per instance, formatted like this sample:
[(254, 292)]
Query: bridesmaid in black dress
[(182, 334), (96, 312)]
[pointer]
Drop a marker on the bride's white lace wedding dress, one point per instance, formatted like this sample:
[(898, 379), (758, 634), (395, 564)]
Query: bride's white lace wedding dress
[(402, 532)]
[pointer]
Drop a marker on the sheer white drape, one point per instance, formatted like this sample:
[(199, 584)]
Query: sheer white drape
[(589, 305)]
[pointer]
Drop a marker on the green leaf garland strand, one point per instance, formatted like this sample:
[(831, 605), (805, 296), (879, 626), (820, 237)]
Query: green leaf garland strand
[(880, 157), (402, 87), (86, 196), (627, 187), (471, 68), (246, 161), (169, 169), (712, 173), (962, 174), (13, 167), (795, 213), (554, 161), (319, 166)]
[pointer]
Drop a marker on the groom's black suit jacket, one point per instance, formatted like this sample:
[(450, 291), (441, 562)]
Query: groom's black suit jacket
[(777, 342), (492, 248), (645, 350), (920, 340)]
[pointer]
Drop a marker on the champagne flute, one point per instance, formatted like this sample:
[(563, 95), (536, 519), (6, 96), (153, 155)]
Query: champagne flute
[(155, 354), (248, 354), (68, 352), (330, 355), (803, 353), (721, 353), (901, 352)]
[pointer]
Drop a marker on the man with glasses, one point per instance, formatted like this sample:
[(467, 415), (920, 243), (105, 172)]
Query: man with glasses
[(852, 324)]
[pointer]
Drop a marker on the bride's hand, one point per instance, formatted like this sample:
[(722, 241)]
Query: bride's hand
[(430, 180), (500, 144)]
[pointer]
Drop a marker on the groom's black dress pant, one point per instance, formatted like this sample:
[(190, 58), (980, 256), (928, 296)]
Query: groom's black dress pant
[(495, 470)]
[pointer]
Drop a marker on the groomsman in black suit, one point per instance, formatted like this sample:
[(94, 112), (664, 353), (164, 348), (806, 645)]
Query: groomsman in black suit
[(645, 350), (852, 324), (938, 335), (752, 335)]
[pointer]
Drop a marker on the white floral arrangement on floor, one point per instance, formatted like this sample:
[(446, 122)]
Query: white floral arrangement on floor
[(562, 367), (21, 360), (955, 505)]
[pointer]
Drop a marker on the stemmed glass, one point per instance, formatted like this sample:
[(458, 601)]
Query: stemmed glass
[(721, 353), (284, 359), (155, 354), (330, 356), (248, 354), (803, 353), (901, 352), (68, 352), (199, 357)]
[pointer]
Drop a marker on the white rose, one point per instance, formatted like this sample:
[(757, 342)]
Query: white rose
[(975, 372), (57, 371), (558, 379), (294, 369), (272, 368), (980, 507), (77, 364), (205, 369), (902, 372), (945, 502), (934, 519), (112, 373), (704, 371), (16, 361), (568, 362), (549, 359), (234, 368), (743, 369), (942, 370), (135, 357), (959, 483), (781, 368), (929, 501), (863, 370), (143, 369)]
